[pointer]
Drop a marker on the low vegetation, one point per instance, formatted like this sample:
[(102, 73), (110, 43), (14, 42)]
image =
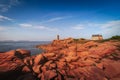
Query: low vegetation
[(113, 38)]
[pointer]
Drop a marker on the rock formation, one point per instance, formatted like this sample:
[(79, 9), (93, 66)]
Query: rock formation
[(64, 60)]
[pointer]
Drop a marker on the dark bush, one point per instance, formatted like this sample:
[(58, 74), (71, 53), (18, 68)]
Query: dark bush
[(117, 37)]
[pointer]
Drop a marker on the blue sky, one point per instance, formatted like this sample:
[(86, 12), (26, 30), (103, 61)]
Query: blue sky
[(37, 20)]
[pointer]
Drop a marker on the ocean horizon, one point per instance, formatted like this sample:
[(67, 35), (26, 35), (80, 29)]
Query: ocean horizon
[(28, 45)]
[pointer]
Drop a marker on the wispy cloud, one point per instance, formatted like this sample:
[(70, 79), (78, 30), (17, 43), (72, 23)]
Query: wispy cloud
[(45, 28), (111, 28), (2, 18), (111, 24), (94, 24), (7, 6), (55, 19), (79, 27), (26, 25), (40, 27), (108, 28)]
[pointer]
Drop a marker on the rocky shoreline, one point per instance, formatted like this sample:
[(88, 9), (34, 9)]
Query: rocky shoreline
[(64, 60)]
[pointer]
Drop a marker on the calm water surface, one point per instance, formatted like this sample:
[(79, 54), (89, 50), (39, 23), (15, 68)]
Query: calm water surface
[(29, 45)]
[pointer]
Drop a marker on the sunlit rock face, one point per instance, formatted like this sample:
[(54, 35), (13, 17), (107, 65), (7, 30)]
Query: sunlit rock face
[(21, 53), (64, 60), (10, 66), (88, 61)]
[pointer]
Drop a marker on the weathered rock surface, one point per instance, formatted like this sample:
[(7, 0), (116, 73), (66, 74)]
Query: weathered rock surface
[(64, 60), (21, 53), (88, 61), (10, 66)]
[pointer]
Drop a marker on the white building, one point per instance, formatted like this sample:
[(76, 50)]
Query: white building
[(97, 37)]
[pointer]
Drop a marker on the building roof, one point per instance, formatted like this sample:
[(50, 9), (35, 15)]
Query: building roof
[(96, 35)]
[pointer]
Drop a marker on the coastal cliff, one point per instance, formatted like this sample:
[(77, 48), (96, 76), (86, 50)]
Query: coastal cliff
[(67, 59)]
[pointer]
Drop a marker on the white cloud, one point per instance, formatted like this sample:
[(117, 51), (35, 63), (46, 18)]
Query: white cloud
[(2, 18), (78, 27), (111, 28), (6, 7), (108, 29), (25, 25), (40, 27), (94, 24), (55, 19), (111, 24), (45, 28), (108, 24)]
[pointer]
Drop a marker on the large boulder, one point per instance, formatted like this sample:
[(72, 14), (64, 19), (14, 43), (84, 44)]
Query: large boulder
[(103, 49), (50, 75), (39, 59), (20, 53), (92, 73), (25, 53), (10, 67), (112, 69), (36, 69), (49, 56), (11, 52), (87, 46)]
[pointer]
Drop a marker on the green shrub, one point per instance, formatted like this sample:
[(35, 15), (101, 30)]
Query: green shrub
[(117, 37)]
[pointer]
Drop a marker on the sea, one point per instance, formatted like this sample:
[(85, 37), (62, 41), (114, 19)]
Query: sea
[(28, 45)]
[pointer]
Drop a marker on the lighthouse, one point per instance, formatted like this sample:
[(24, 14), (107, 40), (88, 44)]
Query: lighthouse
[(58, 37)]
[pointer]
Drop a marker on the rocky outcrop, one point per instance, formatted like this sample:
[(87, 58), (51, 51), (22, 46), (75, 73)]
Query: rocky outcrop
[(20, 53), (10, 66), (11, 63), (64, 60), (76, 61)]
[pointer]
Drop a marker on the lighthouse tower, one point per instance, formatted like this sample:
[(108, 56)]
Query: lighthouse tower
[(58, 37)]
